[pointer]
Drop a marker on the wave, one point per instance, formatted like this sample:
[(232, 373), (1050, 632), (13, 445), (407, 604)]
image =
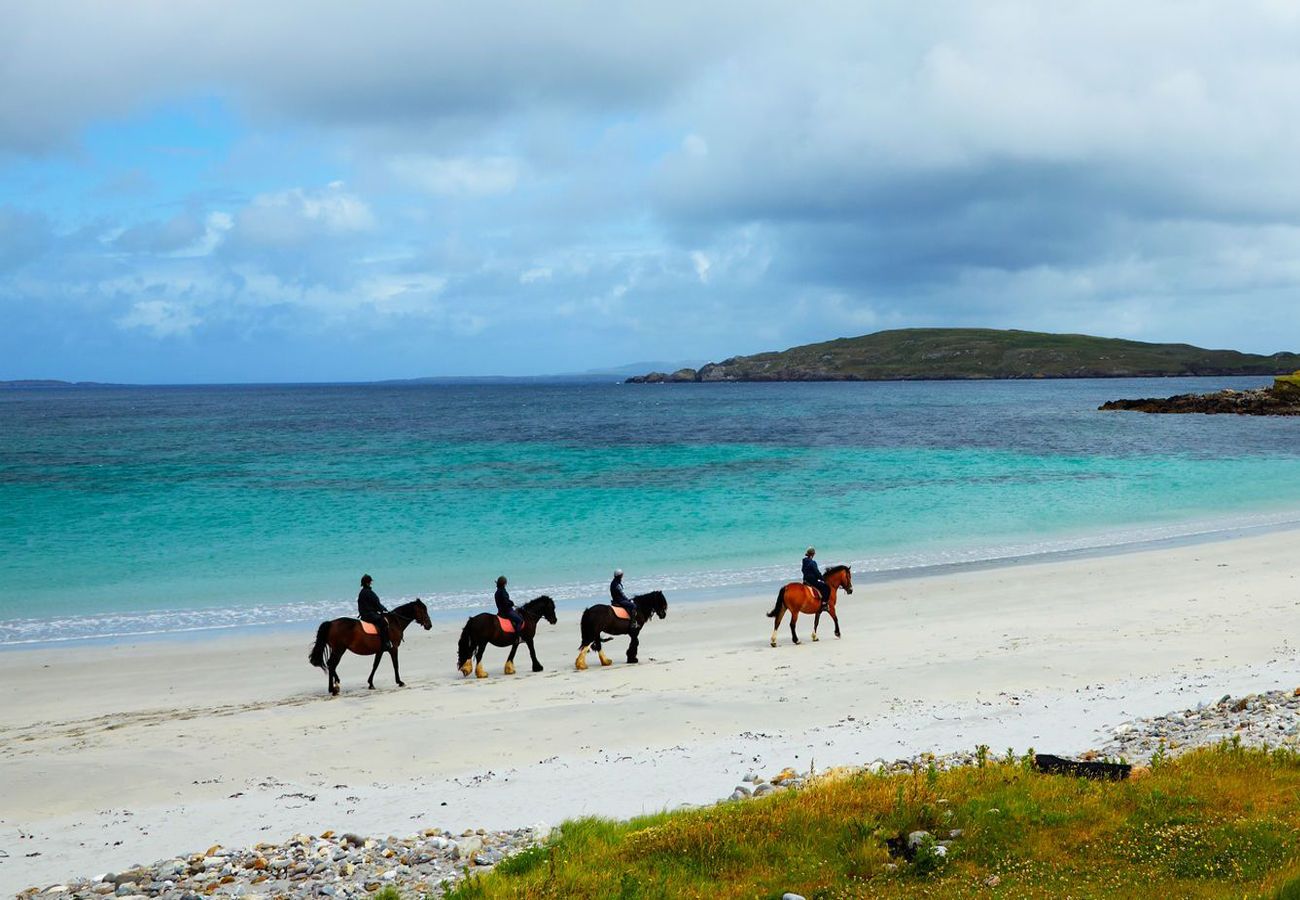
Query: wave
[(692, 585)]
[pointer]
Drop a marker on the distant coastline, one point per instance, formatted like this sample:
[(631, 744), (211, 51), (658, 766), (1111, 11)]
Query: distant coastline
[(966, 354)]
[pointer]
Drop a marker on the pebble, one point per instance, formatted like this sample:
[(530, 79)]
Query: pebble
[(348, 867), (1270, 719)]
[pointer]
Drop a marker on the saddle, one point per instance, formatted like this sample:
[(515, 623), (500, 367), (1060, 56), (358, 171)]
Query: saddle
[(369, 628), (506, 625), (620, 612)]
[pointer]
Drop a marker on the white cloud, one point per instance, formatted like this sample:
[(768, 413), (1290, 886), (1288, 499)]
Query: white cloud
[(298, 214), (161, 318), (458, 175)]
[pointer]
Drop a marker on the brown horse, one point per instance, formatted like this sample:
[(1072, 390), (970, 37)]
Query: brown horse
[(484, 629), (602, 618), (341, 635), (803, 598)]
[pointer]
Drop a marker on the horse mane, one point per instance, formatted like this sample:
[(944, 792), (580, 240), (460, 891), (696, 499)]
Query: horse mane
[(407, 606), (536, 604), (649, 598), (833, 569)]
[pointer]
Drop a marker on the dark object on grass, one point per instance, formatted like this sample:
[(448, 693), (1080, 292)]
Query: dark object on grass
[(1059, 765)]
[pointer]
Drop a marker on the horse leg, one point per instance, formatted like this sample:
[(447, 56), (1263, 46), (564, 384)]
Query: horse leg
[(836, 620), (532, 651), (397, 676), (510, 660), (375, 668), (631, 648), (479, 671), (335, 656), (600, 651), (817, 617), (776, 623), (794, 617)]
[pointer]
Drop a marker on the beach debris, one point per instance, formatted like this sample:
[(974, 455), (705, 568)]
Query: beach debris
[(1083, 768)]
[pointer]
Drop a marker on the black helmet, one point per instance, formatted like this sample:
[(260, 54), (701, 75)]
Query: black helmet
[(501, 579), (366, 579)]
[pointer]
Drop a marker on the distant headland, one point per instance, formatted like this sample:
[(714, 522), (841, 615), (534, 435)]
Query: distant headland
[(977, 353)]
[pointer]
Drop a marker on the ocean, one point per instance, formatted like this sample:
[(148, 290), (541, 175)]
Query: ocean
[(157, 510)]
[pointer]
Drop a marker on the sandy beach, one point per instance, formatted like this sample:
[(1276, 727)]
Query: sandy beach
[(114, 755)]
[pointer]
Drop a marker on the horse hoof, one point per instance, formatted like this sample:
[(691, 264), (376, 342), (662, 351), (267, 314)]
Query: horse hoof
[(537, 668), (632, 660), (814, 637), (797, 641), (605, 660), (774, 643), (371, 686), (480, 672), (401, 684), (510, 668)]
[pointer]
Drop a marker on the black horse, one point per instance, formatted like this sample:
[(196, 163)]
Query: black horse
[(338, 636), (601, 618), (484, 629)]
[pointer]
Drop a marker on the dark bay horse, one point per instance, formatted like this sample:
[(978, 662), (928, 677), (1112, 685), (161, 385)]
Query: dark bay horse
[(338, 636), (601, 618), (803, 598), (484, 629)]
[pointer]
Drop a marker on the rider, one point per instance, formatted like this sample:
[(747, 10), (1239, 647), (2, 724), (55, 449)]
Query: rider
[(369, 609), (506, 606), (618, 597), (812, 575)]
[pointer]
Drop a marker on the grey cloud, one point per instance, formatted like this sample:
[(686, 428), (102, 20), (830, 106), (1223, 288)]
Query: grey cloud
[(166, 236)]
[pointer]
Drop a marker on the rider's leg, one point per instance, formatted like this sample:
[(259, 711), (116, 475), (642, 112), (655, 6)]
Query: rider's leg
[(825, 591)]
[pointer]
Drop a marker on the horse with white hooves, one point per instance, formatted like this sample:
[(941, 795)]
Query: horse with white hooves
[(604, 618)]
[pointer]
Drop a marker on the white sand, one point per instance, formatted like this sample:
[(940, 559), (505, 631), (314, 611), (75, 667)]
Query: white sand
[(117, 755)]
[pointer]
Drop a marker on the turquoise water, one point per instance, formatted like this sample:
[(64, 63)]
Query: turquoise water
[(127, 511)]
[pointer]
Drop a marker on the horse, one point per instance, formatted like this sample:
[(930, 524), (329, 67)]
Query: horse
[(484, 629), (342, 635), (602, 618), (804, 598)]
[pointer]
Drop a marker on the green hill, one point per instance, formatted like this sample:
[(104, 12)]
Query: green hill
[(962, 353)]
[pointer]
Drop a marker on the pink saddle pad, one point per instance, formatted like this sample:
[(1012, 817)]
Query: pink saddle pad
[(620, 612), (506, 625), (369, 628)]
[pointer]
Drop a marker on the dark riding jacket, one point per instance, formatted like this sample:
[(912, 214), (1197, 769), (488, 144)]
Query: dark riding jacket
[(369, 609), (506, 607), (619, 596), (812, 573)]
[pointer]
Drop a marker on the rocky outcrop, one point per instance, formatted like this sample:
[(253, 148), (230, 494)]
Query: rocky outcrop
[(1283, 399)]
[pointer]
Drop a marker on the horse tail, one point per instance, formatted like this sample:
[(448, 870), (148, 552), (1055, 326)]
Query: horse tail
[(780, 598), (465, 649), (317, 655), (587, 637)]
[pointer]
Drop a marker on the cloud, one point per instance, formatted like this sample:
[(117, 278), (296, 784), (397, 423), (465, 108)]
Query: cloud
[(290, 217), (166, 236), (457, 175), (522, 186), (161, 318)]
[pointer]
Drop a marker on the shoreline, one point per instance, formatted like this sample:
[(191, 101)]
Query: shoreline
[(1099, 545), (123, 754)]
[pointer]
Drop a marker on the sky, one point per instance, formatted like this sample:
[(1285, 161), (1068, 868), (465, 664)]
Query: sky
[(231, 191)]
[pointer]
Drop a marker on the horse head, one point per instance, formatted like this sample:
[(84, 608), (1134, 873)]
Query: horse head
[(653, 603), (841, 577), (421, 613), (542, 606)]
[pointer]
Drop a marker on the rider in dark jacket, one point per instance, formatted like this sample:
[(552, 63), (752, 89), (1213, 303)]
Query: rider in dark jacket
[(506, 606), (812, 574), (618, 597), (369, 609)]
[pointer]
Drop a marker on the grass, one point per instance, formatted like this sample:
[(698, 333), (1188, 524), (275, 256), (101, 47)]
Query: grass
[(1222, 822)]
